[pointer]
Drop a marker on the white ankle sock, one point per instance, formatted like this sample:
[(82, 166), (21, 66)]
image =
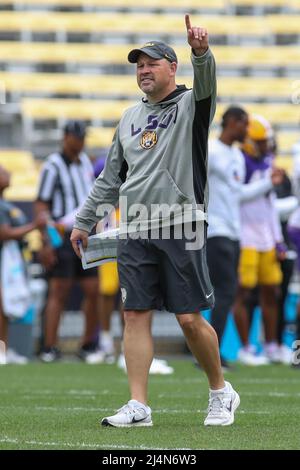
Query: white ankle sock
[(219, 390)]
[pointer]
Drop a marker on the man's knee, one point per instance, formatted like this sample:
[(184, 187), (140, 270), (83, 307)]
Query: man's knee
[(136, 317), (130, 315), (90, 287), (59, 290), (189, 322)]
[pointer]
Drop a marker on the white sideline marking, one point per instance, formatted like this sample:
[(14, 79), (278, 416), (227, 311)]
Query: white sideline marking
[(83, 444), (162, 379), (243, 394), (236, 382), (159, 411)]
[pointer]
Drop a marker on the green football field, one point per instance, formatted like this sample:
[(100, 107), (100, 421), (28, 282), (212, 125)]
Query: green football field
[(59, 406)]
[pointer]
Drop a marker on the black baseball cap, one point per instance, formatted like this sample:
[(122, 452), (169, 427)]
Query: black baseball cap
[(154, 49), (77, 128)]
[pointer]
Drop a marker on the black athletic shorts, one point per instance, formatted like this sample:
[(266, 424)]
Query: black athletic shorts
[(68, 264), (163, 274)]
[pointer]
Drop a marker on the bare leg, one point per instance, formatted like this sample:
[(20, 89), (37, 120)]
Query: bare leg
[(90, 287), (269, 306), (59, 290), (203, 343), (241, 316), (138, 350), (106, 307), (3, 326)]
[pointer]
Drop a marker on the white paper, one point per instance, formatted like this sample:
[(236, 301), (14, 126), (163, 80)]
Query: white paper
[(102, 248)]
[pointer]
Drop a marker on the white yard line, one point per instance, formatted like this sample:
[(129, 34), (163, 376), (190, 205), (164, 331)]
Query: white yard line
[(243, 394), (10, 440), (110, 410)]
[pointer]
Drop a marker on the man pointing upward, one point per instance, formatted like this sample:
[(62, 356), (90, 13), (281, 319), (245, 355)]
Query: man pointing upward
[(159, 157)]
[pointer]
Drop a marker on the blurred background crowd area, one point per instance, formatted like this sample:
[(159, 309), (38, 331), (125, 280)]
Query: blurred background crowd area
[(67, 59)]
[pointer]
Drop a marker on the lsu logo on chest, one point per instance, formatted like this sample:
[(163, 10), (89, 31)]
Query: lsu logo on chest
[(149, 136), (148, 139)]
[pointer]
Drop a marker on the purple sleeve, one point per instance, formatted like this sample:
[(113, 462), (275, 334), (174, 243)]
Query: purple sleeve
[(98, 166)]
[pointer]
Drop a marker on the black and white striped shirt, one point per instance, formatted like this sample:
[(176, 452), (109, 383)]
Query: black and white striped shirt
[(65, 185)]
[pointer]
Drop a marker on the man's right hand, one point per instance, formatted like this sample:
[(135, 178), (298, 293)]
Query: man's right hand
[(79, 237)]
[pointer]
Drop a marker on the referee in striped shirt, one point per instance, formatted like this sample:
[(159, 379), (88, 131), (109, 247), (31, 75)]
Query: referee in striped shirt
[(66, 179)]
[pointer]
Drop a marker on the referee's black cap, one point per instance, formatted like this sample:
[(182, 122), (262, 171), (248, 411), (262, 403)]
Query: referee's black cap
[(76, 128)]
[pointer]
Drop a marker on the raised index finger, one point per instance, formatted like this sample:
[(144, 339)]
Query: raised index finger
[(187, 22)]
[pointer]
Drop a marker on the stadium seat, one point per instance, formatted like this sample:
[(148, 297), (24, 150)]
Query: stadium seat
[(252, 88), (149, 4), (109, 110), (102, 137), (24, 174), (256, 88), (286, 140), (286, 163), (139, 23), (269, 3), (105, 110), (99, 137), (17, 53), (17, 160), (63, 83)]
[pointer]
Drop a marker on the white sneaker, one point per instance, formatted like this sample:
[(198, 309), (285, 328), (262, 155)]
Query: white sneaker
[(272, 351), (250, 359), (96, 357), (133, 414), (284, 354), (12, 357), (158, 366), (121, 362), (106, 343), (2, 359), (221, 407)]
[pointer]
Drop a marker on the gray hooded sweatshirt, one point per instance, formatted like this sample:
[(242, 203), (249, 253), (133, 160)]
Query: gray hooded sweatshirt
[(159, 157)]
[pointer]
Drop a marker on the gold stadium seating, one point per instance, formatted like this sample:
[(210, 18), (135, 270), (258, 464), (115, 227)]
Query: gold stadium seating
[(156, 4), (139, 23), (106, 91), (266, 3), (101, 54), (24, 174), (64, 83), (217, 4), (286, 163), (109, 85), (161, 4), (99, 136), (105, 110), (109, 110), (286, 140), (16, 160)]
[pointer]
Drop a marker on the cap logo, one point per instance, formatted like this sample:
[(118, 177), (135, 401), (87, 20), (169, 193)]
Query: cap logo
[(149, 44), (148, 139)]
